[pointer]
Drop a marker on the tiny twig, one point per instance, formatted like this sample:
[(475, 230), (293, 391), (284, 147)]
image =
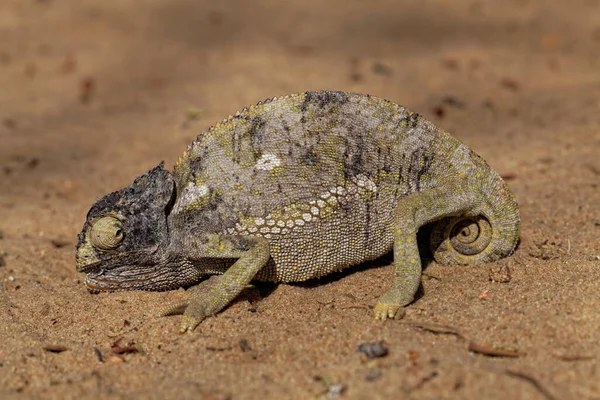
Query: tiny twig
[(489, 351), (218, 349), (574, 357), (533, 381), (431, 276), (435, 328)]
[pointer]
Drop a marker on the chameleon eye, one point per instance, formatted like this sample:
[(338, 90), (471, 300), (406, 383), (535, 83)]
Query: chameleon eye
[(106, 233)]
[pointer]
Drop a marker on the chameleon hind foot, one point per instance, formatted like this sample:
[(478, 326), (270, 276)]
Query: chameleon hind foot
[(388, 311)]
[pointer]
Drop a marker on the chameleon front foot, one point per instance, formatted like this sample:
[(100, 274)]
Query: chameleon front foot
[(204, 301), (190, 320)]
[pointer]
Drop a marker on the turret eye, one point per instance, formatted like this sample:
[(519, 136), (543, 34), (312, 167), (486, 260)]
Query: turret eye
[(106, 233)]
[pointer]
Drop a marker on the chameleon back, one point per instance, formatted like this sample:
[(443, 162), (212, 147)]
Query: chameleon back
[(318, 174)]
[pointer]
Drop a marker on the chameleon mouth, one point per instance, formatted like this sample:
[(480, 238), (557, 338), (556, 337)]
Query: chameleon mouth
[(93, 267), (125, 278), (89, 262)]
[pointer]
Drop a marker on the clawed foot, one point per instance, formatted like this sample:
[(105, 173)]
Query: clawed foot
[(391, 305), (388, 311), (188, 324), (204, 301)]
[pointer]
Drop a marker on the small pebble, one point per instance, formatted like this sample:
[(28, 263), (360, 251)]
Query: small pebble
[(244, 345), (335, 391), (373, 350), (373, 374)]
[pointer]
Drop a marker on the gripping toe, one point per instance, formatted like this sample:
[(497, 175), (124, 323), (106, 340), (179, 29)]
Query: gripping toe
[(388, 311)]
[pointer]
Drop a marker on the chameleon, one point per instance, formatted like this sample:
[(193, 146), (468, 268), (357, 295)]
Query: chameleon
[(294, 188)]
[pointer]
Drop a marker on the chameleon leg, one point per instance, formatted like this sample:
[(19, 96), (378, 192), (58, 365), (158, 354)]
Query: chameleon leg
[(412, 212), (212, 295)]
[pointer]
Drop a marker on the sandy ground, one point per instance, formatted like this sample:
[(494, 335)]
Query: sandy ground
[(95, 93)]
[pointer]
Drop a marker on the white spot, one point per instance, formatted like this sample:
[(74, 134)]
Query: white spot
[(268, 236), (299, 222), (281, 223), (252, 229), (364, 182), (231, 231), (264, 229), (267, 162), (314, 210), (285, 230), (275, 229), (462, 159), (270, 222), (190, 193), (307, 217), (290, 223), (201, 190), (325, 195), (320, 203), (340, 191), (259, 221)]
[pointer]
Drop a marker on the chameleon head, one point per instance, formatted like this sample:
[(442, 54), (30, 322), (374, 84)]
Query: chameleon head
[(122, 243)]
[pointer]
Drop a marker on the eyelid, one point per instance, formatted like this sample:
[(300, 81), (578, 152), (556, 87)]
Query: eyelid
[(106, 233)]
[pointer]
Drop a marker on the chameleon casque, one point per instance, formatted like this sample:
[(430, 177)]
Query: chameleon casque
[(294, 188)]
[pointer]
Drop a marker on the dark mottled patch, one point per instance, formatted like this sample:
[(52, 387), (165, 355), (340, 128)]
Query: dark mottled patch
[(198, 160), (242, 243), (256, 133), (323, 99), (215, 200), (353, 154), (384, 161), (411, 120), (309, 157), (420, 163)]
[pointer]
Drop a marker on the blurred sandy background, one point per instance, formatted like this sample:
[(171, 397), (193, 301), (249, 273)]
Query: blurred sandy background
[(94, 93)]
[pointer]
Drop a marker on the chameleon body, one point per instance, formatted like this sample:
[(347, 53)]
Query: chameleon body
[(294, 188)]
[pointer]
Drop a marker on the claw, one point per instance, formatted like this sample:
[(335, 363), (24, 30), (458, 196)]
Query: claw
[(388, 311), (188, 324)]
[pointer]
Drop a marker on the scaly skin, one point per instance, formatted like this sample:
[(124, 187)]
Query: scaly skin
[(295, 188)]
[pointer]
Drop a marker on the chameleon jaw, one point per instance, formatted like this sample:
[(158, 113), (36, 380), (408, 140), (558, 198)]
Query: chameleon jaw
[(125, 277), (160, 276)]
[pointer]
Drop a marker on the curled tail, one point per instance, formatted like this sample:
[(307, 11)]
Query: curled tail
[(490, 235)]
